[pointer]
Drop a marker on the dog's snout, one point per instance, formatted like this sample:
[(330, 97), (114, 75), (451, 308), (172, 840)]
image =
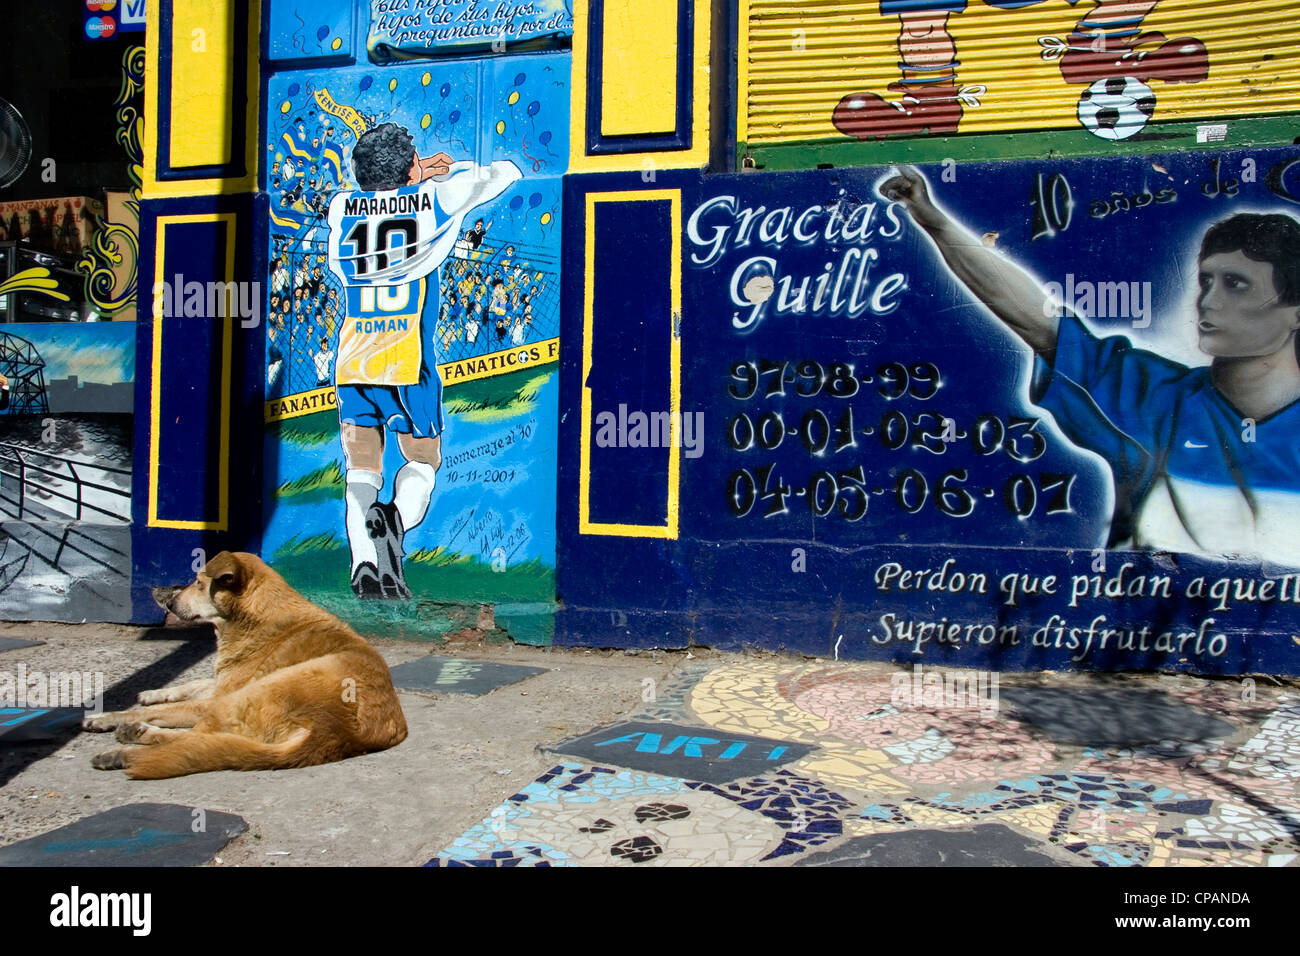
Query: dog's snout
[(165, 596)]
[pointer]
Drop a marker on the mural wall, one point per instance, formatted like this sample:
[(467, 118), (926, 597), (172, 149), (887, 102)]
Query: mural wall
[(67, 395), (1124, 71), (65, 471), (1029, 415), (413, 339)]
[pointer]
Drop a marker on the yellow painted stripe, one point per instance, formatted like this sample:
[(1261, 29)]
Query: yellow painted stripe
[(502, 362), (639, 53), (204, 105), (798, 58), (671, 322), (301, 403), (451, 373), (202, 89), (155, 385), (695, 157)]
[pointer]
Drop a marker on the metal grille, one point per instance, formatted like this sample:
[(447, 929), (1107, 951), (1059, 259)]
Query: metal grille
[(802, 56)]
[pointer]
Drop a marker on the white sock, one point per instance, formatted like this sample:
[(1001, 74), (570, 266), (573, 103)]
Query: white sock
[(362, 490), (411, 490)]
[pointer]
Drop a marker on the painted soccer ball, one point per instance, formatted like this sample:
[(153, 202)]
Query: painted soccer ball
[(1117, 107)]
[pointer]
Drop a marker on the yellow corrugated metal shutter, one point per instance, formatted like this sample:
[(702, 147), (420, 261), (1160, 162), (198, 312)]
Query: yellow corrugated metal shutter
[(798, 59)]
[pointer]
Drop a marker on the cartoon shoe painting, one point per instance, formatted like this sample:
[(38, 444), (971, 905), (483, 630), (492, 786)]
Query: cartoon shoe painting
[(936, 108), (1146, 57)]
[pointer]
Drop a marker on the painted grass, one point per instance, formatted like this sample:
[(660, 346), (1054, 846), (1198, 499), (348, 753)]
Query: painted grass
[(497, 398), (317, 485), (295, 547), (446, 585), (309, 431), (488, 399)]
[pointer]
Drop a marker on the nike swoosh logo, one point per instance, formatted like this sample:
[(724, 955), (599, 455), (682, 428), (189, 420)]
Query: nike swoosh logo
[(1191, 444)]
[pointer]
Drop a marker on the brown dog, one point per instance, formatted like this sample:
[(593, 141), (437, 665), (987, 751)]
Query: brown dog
[(295, 686)]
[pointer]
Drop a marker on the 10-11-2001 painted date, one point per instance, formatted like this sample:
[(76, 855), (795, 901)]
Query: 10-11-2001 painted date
[(846, 493)]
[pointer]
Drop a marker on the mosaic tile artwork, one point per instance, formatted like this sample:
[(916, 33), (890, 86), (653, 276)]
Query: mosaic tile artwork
[(986, 845), (668, 697), (138, 834), (676, 750), (576, 815), (20, 725), (1194, 774), (453, 675), (601, 816), (1274, 752), (867, 741), (1110, 718), (1105, 820), (810, 813)]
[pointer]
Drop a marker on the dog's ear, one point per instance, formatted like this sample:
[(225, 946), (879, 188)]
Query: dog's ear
[(227, 572)]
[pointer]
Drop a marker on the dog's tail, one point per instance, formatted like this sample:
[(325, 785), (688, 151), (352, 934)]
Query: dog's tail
[(201, 752)]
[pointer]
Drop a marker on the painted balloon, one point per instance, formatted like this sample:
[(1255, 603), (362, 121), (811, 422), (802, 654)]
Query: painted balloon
[(454, 116), (286, 106), (322, 33), (424, 80), (546, 217), (534, 108), (425, 120), (392, 84), (338, 42), (514, 98), (516, 202), (501, 126), (545, 138), (445, 90), (519, 78), (534, 200), (366, 81), (293, 89)]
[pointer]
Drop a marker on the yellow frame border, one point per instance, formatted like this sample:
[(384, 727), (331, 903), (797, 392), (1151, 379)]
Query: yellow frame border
[(585, 524), (151, 187), (155, 384), (694, 158)]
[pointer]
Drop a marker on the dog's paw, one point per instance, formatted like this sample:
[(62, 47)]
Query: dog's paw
[(110, 760), (147, 697), (130, 733), (101, 722)]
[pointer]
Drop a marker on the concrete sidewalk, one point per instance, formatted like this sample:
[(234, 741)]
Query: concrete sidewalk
[(703, 758)]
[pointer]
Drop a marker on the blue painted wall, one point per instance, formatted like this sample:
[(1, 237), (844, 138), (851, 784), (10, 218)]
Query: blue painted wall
[(884, 425)]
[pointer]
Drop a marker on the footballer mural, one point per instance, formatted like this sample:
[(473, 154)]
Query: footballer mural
[(1017, 415), (411, 352), (1203, 458)]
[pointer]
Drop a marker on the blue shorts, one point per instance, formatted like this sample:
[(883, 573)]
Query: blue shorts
[(409, 409), (892, 7)]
